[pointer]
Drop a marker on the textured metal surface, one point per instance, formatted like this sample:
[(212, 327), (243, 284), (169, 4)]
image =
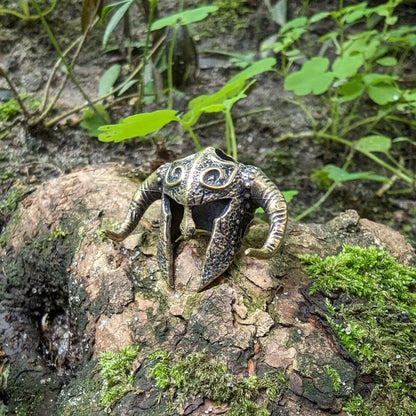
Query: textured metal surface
[(207, 191)]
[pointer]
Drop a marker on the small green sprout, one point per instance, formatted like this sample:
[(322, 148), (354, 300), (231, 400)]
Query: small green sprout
[(56, 233)]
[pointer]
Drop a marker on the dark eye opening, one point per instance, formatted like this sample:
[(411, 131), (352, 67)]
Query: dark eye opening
[(222, 155)]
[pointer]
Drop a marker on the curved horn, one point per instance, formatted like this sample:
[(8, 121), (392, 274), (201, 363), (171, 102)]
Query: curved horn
[(146, 194), (265, 194)]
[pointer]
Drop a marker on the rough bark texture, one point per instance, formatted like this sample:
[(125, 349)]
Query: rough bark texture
[(66, 295)]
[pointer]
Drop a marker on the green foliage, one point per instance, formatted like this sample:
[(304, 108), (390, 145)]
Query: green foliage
[(9, 203), (230, 14), (334, 376), (93, 120), (9, 109), (138, 125), (26, 13), (312, 78), (118, 11), (338, 175), (186, 375), (378, 327), (223, 100), (108, 79), (184, 18), (363, 73), (117, 374), (4, 376)]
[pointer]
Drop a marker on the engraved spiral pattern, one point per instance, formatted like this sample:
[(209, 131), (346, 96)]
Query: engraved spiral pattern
[(210, 191)]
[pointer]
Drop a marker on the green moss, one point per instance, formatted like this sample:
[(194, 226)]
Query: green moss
[(116, 372), (9, 203), (9, 109), (231, 14), (334, 376), (181, 376), (377, 325)]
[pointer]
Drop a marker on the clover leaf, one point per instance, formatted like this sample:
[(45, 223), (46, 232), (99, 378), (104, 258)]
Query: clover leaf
[(312, 78)]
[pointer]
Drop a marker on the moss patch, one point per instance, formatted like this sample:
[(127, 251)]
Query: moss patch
[(230, 15), (376, 322), (182, 376), (117, 374)]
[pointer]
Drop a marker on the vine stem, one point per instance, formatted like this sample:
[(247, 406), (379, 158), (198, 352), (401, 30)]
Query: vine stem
[(324, 197), (63, 59), (109, 94), (351, 145), (193, 137), (25, 16), (317, 204), (175, 29), (15, 93)]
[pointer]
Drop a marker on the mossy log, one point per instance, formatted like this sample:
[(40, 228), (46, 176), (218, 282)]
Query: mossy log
[(66, 295)]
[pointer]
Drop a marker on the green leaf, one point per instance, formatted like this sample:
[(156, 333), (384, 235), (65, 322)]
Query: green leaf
[(347, 66), (93, 120), (108, 79), (256, 68), (138, 125), (387, 61), (294, 23), (374, 143), (374, 78), (318, 16), (338, 175), (382, 88), (383, 93), (127, 85), (411, 39), (354, 16), (184, 18), (115, 19), (312, 78), (198, 105), (289, 195), (351, 90), (363, 43), (279, 12)]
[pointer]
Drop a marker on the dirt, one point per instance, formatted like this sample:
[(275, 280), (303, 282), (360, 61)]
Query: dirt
[(32, 155)]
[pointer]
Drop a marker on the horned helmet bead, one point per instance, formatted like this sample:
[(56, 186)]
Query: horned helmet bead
[(210, 191)]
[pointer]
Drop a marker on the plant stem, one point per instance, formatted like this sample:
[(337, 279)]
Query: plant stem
[(230, 135), (63, 59), (170, 64), (193, 137), (81, 42), (27, 16), (300, 104), (317, 204), (237, 116), (25, 112), (153, 5), (324, 197), (372, 156), (109, 94)]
